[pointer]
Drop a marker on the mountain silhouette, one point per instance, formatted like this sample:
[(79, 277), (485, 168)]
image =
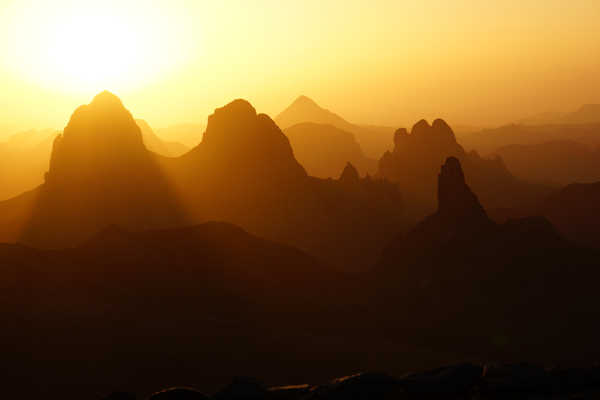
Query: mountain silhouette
[(239, 142), (491, 288), (416, 157), (324, 149), (350, 175), (99, 174), (245, 172), (374, 140)]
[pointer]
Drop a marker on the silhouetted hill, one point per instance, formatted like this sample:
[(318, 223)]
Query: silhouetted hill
[(487, 141), (324, 150), (123, 307), (240, 143), (416, 157), (157, 145), (374, 140), (462, 281), (100, 173), (558, 162)]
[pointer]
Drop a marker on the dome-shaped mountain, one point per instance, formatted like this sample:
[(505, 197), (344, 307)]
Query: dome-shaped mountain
[(101, 138), (100, 174), (240, 144)]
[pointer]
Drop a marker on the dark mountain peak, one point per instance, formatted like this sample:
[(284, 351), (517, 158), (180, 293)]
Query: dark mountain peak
[(440, 126), (238, 107), (455, 198), (349, 174), (306, 102), (421, 127), (400, 135), (240, 142), (304, 109)]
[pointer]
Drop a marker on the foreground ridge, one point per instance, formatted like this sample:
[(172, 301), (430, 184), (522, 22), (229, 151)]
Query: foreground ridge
[(459, 381)]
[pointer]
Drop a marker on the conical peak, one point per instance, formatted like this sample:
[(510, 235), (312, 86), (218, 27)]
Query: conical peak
[(452, 170), (305, 101)]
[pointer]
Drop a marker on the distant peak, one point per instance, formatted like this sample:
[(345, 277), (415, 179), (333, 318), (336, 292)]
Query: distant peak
[(304, 100)]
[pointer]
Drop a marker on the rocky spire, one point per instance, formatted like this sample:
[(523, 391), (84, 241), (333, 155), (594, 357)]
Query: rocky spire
[(455, 198)]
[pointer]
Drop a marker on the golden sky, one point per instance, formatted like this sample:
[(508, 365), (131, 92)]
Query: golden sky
[(379, 61)]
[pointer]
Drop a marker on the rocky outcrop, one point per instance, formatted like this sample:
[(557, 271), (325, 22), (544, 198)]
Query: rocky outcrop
[(455, 198), (415, 160)]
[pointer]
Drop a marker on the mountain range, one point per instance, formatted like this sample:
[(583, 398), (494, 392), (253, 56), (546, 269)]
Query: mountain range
[(25, 156), (416, 157)]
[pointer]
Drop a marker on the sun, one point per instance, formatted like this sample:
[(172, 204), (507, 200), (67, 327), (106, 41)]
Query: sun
[(91, 46)]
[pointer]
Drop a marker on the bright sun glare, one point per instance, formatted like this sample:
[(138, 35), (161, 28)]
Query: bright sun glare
[(90, 46)]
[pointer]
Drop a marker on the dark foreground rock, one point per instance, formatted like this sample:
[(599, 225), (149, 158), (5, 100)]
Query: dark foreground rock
[(464, 381)]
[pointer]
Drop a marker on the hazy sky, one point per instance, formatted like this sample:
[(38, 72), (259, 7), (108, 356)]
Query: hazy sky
[(382, 62)]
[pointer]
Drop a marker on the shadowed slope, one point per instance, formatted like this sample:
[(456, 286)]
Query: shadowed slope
[(137, 301), (491, 290)]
